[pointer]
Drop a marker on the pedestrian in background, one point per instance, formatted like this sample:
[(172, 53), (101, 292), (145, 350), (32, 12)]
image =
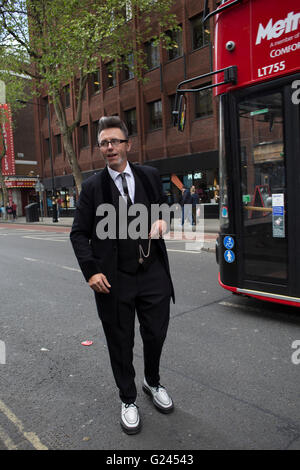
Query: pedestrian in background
[(59, 204), (195, 201), (186, 206), (14, 210), (9, 211), (128, 276)]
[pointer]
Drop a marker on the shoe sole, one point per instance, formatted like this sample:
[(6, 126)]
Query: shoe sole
[(157, 406), (131, 431)]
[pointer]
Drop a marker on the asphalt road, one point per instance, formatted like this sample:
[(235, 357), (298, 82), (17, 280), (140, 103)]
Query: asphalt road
[(227, 359)]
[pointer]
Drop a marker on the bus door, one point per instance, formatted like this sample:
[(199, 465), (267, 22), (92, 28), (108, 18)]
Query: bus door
[(267, 186)]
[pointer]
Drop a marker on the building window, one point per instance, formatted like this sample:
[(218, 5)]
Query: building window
[(172, 99), (111, 75), (84, 136), (47, 148), (45, 107), (155, 113), (203, 103), (58, 147), (128, 69), (96, 84), (200, 33), (130, 120), (95, 133), (152, 53), (67, 98), (176, 38)]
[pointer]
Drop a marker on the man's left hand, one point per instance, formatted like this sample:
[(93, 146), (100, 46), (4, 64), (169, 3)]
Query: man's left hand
[(158, 229)]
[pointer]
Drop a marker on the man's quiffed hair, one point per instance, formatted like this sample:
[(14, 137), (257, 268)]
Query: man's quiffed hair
[(106, 122)]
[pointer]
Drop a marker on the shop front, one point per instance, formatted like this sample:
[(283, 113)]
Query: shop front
[(21, 191), (63, 190), (198, 170)]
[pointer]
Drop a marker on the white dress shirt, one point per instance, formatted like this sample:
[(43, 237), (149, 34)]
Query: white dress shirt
[(115, 175)]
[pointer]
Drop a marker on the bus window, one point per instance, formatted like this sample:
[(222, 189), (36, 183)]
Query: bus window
[(263, 176), (223, 189)]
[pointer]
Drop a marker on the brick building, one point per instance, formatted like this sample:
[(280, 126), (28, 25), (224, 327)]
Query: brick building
[(21, 176), (147, 108)]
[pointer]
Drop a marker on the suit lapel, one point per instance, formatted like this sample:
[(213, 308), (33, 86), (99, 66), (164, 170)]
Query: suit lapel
[(145, 182), (105, 185)]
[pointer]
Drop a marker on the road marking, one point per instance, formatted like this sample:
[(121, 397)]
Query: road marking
[(53, 264), (9, 444), (28, 230), (47, 239), (29, 436), (70, 269), (36, 234), (242, 306)]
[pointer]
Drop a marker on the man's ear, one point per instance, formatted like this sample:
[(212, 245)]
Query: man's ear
[(129, 145)]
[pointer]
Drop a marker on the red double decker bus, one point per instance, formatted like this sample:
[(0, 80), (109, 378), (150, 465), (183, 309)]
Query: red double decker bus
[(256, 79)]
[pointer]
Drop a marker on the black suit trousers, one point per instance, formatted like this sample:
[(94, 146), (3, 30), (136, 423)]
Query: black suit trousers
[(146, 293)]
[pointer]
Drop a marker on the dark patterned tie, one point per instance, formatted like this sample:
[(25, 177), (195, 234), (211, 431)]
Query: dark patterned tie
[(125, 189)]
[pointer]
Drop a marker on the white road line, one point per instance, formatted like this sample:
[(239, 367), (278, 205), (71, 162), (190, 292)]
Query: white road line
[(46, 234), (29, 436), (53, 264), (71, 269), (39, 233), (241, 306), (27, 230), (9, 444), (47, 239)]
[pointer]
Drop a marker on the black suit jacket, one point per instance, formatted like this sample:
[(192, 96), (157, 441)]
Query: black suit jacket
[(100, 256)]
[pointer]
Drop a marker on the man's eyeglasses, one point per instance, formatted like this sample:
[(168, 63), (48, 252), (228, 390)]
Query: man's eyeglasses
[(113, 142)]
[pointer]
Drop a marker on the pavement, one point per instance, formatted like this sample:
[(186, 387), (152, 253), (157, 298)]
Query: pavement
[(210, 228)]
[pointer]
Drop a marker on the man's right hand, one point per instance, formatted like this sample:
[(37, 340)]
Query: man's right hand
[(99, 283)]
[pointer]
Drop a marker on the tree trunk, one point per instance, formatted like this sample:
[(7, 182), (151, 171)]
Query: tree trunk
[(67, 132), (68, 145)]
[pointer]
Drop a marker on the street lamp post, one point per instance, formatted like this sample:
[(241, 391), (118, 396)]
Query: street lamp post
[(54, 206)]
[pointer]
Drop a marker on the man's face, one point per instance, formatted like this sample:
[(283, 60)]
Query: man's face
[(114, 157)]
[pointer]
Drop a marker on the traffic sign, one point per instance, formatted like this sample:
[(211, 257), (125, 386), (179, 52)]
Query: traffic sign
[(39, 187), (228, 242), (229, 256)]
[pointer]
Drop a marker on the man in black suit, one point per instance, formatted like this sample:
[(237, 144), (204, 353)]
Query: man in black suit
[(128, 275)]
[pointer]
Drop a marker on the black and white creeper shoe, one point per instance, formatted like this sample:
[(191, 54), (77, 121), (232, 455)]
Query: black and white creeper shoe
[(160, 397), (130, 418)]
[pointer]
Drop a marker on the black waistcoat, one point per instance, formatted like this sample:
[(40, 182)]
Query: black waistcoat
[(128, 249)]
